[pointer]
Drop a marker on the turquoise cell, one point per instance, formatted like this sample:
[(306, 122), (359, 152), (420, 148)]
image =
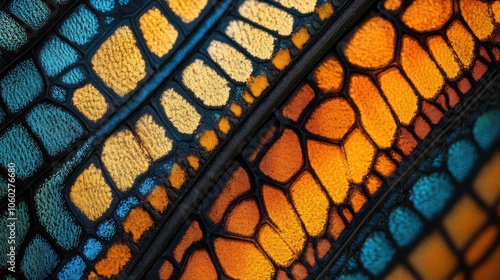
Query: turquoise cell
[(81, 26), (74, 76), (146, 186), (106, 230), (462, 157), (21, 86), (22, 226), (12, 35), (54, 217), (376, 252), (18, 147), (353, 276), (56, 55), (125, 206), (431, 194), (103, 5), (487, 128), (57, 129), (39, 259), (92, 248), (72, 270), (58, 93), (34, 13), (404, 225)]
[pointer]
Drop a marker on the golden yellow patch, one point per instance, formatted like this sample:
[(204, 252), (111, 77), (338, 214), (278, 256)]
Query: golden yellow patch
[(90, 102), (233, 62), (159, 34), (187, 10), (153, 137), (180, 113)]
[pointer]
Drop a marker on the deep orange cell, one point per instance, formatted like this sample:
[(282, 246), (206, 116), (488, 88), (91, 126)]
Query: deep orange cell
[(158, 199), (309, 254), (165, 271), (117, 257), (406, 142), (281, 59), (433, 113), (376, 117), (479, 17), (481, 245), (237, 185), (199, 266), (329, 75), (420, 68), (281, 275), (137, 223), (427, 15), (243, 219), (479, 70), (323, 247), (242, 259), (193, 234), (489, 268), (282, 214), (464, 85), (358, 199), (392, 5), (453, 98), (373, 183), (300, 38), (422, 128), (348, 215), (177, 176), (359, 152), (372, 45), (258, 84), (209, 140), (332, 119), (329, 164), (299, 272), (337, 225), (299, 101), (284, 158)]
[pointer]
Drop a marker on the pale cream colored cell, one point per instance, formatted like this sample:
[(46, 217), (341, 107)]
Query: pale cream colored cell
[(236, 65), (153, 137), (187, 10), (181, 114), (267, 16), (302, 6), (119, 62), (206, 84), (159, 34), (90, 193), (257, 42), (90, 102), (124, 159)]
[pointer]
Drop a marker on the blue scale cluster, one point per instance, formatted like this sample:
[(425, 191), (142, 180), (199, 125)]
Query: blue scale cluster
[(92, 248), (21, 86), (56, 56), (462, 157), (103, 5), (58, 93), (74, 76), (12, 35), (125, 206), (18, 147), (34, 13), (377, 252), (72, 270), (106, 230), (81, 26), (39, 259), (57, 129), (431, 194), (54, 216), (146, 186), (22, 226), (487, 128), (404, 225)]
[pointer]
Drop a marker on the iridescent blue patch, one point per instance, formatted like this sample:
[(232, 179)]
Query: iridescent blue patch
[(462, 157), (72, 270), (431, 194), (80, 27), (56, 128), (58, 93), (106, 230), (74, 76), (34, 13), (103, 5), (12, 35), (146, 186), (487, 128), (21, 86), (125, 206), (404, 225), (56, 55), (92, 248), (39, 259), (18, 147), (377, 252)]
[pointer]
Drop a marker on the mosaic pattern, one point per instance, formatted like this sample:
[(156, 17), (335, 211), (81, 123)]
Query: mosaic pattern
[(113, 110)]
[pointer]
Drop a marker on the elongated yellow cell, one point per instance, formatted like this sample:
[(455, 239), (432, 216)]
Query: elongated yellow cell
[(232, 61), (153, 137), (119, 62), (462, 42), (267, 16), (302, 6), (124, 159), (206, 84), (159, 34), (187, 10), (444, 56), (311, 203), (274, 246), (257, 42), (420, 68), (376, 118), (181, 113), (90, 102), (90, 193), (400, 95)]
